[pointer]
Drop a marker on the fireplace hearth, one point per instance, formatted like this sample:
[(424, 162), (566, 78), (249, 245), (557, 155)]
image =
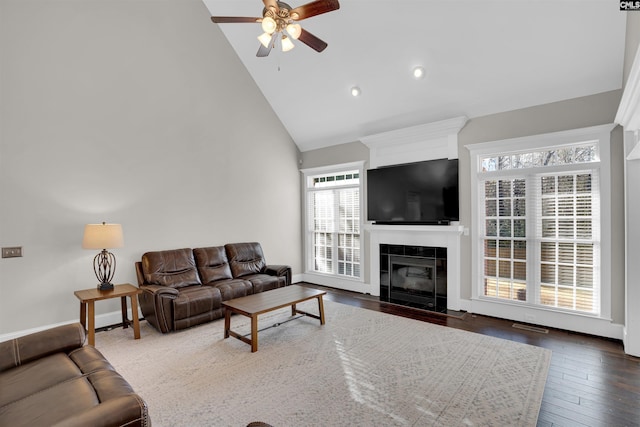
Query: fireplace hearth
[(414, 276)]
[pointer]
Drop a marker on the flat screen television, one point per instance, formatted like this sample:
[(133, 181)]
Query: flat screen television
[(414, 193)]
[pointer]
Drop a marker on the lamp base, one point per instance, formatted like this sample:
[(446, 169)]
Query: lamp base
[(105, 286), (104, 265)]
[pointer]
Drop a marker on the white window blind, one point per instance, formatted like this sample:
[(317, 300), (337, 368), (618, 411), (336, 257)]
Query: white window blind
[(334, 220), (569, 232)]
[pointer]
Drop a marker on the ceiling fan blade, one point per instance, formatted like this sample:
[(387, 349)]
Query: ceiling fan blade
[(233, 19), (264, 51), (314, 8), (271, 4), (312, 41)]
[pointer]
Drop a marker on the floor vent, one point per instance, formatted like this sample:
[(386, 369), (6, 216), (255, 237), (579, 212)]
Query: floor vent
[(530, 328)]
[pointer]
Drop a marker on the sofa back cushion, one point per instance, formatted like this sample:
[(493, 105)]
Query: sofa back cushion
[(175, 268), (212, 264), (245, 258), (37, 345)]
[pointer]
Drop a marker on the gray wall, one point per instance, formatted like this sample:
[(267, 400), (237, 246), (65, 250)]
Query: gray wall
[(132, 112), (344, 153), (565, 115)]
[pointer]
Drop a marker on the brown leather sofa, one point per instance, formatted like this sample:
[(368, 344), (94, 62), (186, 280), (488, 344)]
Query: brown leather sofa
[(186, 287), (51, 378)]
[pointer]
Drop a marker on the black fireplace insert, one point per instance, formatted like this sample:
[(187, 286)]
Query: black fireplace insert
[(414, 276)]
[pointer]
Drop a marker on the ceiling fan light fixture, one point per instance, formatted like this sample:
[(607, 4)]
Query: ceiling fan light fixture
[(418, 72), (265, 39), (287, 44), (355, 91), (269, 25), (278, 19), (294, 30)]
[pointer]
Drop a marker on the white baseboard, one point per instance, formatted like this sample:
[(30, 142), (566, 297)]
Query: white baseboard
[(549, 318), (631, 346), (336, 282), (102, 320)]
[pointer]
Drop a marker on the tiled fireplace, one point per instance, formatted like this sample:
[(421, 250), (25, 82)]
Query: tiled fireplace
[(414, 276), (416, 264)]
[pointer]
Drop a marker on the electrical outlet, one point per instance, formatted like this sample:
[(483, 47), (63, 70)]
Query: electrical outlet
[(12, 252)]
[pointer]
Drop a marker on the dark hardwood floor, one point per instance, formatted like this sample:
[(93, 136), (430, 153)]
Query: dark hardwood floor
[(591, 381)]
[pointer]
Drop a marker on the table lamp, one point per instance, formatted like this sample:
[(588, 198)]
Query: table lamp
[(103, 236)]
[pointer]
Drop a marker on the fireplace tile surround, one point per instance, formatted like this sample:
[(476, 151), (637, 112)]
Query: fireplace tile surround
[(429, 236), (414, 276)]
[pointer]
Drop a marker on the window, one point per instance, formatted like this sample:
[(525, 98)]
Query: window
[(505, 245), (538, 216), (333, 222)]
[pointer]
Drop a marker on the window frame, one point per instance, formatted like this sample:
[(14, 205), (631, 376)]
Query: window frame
[(332, 279), (598, 135)]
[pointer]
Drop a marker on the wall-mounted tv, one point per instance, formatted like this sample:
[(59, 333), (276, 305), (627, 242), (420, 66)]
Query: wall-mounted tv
[(414, 193)]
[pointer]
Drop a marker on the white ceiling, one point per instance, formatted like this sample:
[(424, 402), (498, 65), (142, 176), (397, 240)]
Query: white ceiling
[(481, 57)]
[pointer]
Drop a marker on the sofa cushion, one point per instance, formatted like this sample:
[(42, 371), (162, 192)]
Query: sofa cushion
[(109, 385), (196, 300), (127, 410), (245, 258), (175, 268), (234, 288), (19, 351), (212, 264), (88, 359), (40, 374), (50, 405), (264, 282)]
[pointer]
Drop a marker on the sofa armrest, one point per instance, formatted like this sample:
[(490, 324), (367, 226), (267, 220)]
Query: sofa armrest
[(129, 410), (160, 291), (24, 349), (156, 304), (279, 270)]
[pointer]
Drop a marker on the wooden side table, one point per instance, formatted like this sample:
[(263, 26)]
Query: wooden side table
[(87, 297)]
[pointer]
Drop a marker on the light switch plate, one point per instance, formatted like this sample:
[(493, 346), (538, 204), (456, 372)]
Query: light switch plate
[(12, 252)]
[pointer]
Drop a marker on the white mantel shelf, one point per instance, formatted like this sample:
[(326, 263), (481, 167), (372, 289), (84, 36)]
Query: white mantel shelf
[(447, 236), (454, 229)]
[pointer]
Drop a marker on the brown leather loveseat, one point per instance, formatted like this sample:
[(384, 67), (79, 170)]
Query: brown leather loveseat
[(50, 378), (185, 287)]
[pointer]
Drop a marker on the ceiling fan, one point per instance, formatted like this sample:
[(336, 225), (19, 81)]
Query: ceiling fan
[(279, 19)]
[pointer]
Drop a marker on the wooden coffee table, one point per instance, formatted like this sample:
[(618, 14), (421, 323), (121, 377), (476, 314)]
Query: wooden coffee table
[(263, 302)]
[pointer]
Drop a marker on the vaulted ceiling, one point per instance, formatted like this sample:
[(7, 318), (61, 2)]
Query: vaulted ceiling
[(481, 57)]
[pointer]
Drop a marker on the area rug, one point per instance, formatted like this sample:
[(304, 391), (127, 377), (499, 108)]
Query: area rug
[(362, 368)]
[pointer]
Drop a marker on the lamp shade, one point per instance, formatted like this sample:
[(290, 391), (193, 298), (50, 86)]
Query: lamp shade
[(287, 44), (265, 39), (102, 236), (294, 30), (269, 25)]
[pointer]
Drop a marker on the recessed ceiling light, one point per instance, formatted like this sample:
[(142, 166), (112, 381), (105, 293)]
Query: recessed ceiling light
[(355, 91), (418, 72)]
